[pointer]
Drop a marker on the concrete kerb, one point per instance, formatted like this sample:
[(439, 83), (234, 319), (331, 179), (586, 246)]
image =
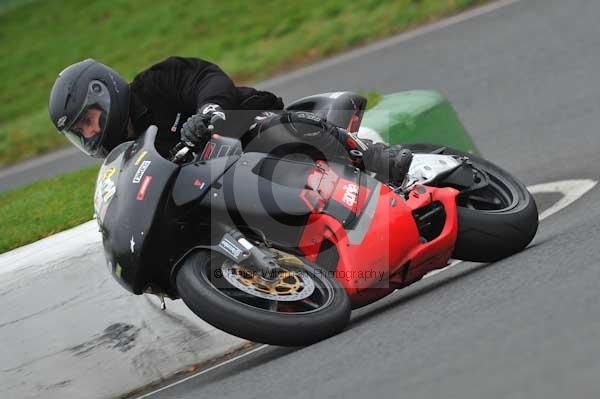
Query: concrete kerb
[(69, 331)]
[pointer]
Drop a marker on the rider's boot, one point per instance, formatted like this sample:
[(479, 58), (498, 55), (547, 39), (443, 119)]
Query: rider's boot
[(402, 160)]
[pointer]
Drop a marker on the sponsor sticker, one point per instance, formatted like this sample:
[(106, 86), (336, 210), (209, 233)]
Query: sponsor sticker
[(231, 248), (309, 116), (142, 191), (351, 195), (61, 121), (108, 190), (140, 172), (174, 127), (139, 159), (110, 173), (199, 183), (105, 188)]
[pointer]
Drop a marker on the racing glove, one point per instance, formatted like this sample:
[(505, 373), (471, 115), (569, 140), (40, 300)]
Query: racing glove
[(198, 127)]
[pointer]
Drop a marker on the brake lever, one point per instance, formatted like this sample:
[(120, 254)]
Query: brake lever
[(179, 152), (182, 149)]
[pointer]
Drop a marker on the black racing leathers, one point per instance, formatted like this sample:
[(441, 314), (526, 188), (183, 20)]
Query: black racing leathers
[(304, 134), (168, 93)]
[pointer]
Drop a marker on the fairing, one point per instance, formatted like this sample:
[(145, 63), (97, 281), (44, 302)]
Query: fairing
[(130, 192), (277, 196)]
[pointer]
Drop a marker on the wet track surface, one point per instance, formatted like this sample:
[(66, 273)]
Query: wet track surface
[(525, 80)]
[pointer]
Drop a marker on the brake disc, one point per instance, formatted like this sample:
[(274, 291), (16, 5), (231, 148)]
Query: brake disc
[(287, 286)]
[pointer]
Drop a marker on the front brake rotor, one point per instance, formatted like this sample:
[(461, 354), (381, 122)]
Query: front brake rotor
[(287, 286)]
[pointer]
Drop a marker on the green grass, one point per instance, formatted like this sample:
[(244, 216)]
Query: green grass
[(249, 39), (46, 207)]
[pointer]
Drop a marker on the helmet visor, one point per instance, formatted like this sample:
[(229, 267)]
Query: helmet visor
[(87, 130)]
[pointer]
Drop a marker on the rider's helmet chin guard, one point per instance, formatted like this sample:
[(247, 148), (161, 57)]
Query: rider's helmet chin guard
[(89, 104)]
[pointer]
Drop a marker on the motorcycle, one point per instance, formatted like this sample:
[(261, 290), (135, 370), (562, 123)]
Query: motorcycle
[(280, 250)]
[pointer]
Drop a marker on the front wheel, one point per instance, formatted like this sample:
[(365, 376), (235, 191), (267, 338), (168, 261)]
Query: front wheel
[(302, 305), (496, 221)]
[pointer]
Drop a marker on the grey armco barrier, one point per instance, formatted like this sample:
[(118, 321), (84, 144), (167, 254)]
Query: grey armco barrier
[(68, 330)]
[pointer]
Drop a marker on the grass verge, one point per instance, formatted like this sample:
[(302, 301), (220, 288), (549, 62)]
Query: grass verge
[(249, 39), (46, 207)]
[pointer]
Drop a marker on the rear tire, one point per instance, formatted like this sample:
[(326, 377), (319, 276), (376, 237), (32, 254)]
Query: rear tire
[(206, 292), (488, 235)]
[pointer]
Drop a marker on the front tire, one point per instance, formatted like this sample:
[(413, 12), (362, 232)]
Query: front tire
[(287, 323), (494, 224)]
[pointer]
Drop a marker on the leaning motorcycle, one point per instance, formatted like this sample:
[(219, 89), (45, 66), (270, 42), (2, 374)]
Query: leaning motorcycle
[(279, 250)]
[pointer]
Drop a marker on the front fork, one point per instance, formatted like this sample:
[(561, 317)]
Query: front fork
[(232, 244)]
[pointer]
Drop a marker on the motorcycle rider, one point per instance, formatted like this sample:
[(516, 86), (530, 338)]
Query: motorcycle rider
[(96, 109)]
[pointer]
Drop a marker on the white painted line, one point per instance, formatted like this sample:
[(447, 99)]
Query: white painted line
[(572, 190), (233, 359), (383, 44), (432, 273)]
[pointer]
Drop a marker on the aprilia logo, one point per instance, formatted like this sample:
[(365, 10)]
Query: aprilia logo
[(350, 194)]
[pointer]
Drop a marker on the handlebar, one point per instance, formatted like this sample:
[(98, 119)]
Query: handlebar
[(182, 149)]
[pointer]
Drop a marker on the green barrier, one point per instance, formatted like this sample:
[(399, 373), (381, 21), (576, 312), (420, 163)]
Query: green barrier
[(418, 116)]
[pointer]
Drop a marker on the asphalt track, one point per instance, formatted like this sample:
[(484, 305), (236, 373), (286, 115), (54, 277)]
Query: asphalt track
[(524, 78)]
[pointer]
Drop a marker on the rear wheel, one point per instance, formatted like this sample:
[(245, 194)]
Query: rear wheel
[(494, 221), (302, 305)]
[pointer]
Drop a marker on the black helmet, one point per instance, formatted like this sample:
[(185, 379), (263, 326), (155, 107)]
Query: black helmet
[(89, 103)]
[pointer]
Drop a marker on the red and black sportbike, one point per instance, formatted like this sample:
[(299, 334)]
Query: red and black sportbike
[(279, 250)]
